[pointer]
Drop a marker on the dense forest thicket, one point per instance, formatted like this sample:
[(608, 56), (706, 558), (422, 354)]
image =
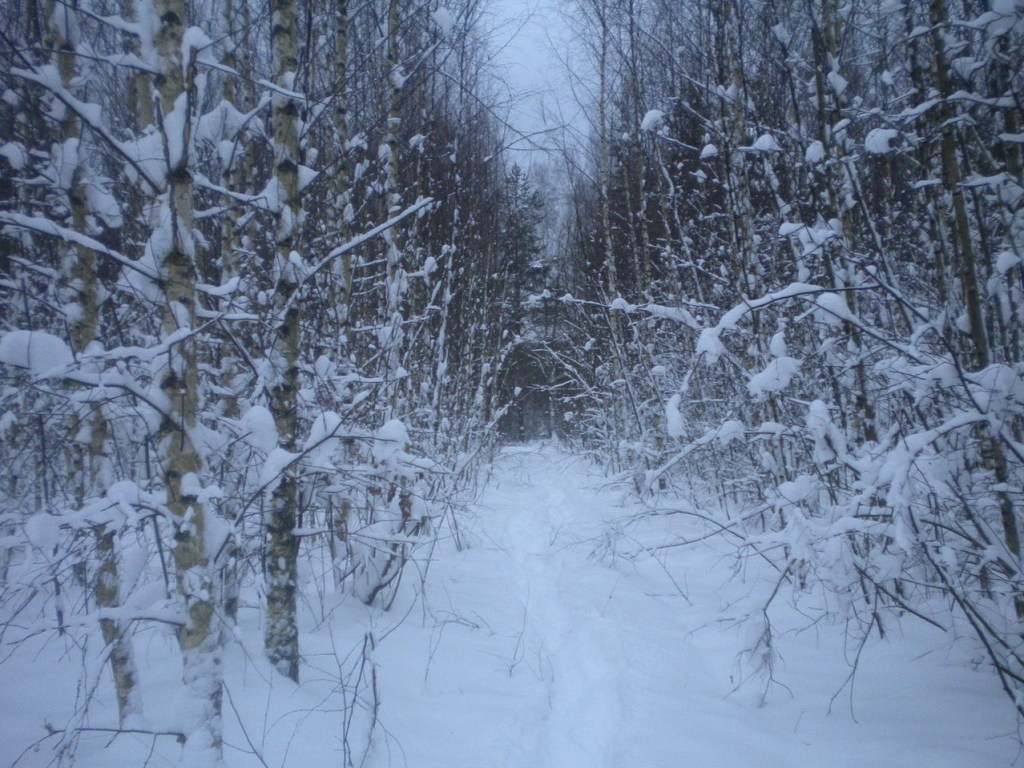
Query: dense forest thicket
[(795, 293), (256, 280), (272, 289)]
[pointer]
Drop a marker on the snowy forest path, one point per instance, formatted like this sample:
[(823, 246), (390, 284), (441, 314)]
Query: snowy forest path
[(578, 652), (588, 661), (549, 645), (562, 636)]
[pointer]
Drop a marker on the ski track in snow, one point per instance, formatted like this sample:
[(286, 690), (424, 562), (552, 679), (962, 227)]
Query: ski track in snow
[(601, 667), (580, 656)]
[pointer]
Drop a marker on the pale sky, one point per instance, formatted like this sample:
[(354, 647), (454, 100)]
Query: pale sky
[(531, 39)]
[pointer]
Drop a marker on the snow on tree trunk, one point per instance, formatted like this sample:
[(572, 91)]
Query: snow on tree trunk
[(396, 282), (89, 423), (173, 247), (281, 634)]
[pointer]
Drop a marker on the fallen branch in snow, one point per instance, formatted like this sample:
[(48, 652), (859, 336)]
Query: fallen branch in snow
[(51, 732)]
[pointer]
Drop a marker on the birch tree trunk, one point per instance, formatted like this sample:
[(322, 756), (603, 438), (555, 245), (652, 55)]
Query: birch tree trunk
[(281, 635), (89, 454), (396, 277), (340, 292), (840, 198), (174, 249), (967, 269)]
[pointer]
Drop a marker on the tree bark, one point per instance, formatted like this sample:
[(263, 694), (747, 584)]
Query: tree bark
[(173, 245), (281, 635)]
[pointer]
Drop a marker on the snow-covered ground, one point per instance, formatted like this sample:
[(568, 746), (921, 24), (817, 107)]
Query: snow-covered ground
[(564, 650), (549, 642)]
